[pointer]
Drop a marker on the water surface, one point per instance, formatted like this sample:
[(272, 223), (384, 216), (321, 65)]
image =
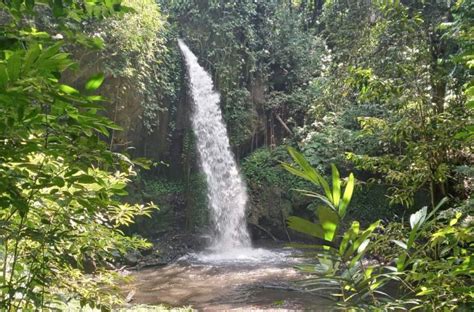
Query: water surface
[(249, 280)]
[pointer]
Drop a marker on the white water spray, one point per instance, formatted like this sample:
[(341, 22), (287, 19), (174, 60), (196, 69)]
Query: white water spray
[(226, 192)]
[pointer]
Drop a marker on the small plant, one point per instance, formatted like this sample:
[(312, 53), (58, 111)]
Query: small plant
[(335, 201), (435, 260), (340, 270), (433, 266)]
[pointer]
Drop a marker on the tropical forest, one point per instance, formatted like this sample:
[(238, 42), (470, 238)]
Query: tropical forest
[(236, 155)]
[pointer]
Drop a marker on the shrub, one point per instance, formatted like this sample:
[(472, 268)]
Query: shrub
[(430, 259), (60, 216)]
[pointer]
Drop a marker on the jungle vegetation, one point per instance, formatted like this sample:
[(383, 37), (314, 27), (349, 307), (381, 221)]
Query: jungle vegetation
[(93, 131)]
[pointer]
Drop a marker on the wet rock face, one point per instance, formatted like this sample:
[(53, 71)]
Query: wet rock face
[(89, 265), (125, 106), (132, 258), (269, 210), (166, 249)]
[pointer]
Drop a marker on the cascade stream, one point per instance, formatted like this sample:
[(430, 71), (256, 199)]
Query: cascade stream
[(227, 193), (230, 274)]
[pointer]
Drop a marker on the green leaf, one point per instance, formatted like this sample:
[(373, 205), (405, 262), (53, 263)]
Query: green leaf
[(97, 43), (425, 291), (118, 185), (14, 66), (21, 111), (348, 236), (86, 179), (469, 91), (58, 181), (113, 126), (304, 226), (49, 52), (438, 206), (323, 198), (3, 76), (346, 199), (294, 171), (400, 243), (329, 222), (95, 82), (68, 90), (336, 185), (96, 98), (470, 103), (31, 56), (58, 8), (309, 173), (145, 163), (359, 240), (363, 246)]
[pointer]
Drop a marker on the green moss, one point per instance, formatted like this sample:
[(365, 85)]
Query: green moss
[(197, 211), (271, 190), (166, 194), (139, 51)]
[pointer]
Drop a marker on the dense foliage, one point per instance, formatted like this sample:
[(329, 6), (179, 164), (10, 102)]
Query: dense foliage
[(381, 88), (134, 42), (375, 85), (431, 267), (60, 216)]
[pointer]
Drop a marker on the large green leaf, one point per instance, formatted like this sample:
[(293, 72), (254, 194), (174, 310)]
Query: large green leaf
[(304, 226), (348, 236), (329, 220), (353, 248), (32, 55), (346, 199), (68, 90), (336, 185), (323, 198), (308, 172), (14, 66), (400, 243), (295, 171)]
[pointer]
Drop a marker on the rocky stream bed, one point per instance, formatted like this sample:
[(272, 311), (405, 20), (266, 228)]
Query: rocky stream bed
[(258, 279)]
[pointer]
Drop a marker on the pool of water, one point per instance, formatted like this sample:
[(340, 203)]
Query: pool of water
[(246, 279)]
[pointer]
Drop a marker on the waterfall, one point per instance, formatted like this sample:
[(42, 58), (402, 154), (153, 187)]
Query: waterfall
[(227, 194)]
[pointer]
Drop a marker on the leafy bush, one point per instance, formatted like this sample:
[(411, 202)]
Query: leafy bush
[(182, 203), (326, 144), (266, 182), (340, 269), (137, 51), (418, 115), (262, 168), (432, 259), (197, 216), (60, 216)]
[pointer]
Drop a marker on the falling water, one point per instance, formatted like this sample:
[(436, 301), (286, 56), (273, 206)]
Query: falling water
[(226, 192)]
